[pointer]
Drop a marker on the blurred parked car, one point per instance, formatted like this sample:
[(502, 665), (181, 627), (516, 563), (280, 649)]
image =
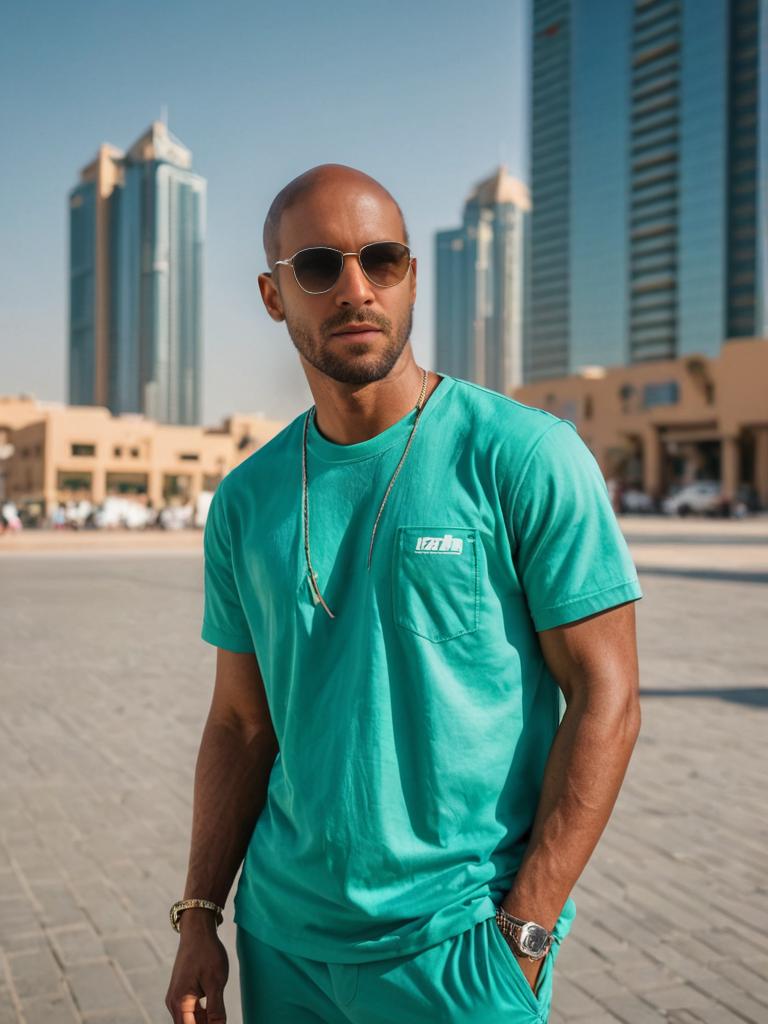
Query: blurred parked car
[(635, 500), (704, 497), (76, 513), (118, 512), (176, 517)]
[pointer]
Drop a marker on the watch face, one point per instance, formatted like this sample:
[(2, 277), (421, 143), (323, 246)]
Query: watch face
[(533, 938)]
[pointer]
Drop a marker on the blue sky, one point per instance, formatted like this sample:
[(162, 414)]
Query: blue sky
[(428, 96)]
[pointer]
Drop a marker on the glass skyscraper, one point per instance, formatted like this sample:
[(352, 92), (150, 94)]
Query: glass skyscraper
[(546, 332), (480, 286), (648, 150), (137, 233)]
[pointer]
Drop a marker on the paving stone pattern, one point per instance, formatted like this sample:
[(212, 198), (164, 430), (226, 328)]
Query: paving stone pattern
[(105, 689)]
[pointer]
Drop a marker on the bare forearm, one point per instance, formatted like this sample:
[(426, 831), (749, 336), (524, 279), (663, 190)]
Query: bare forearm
[(231, 779), (582, 779)]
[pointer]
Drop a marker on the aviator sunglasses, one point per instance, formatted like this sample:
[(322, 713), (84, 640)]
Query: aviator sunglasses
[(318, 268)]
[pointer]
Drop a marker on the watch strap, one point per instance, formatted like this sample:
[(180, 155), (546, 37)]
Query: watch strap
[(180, 906)]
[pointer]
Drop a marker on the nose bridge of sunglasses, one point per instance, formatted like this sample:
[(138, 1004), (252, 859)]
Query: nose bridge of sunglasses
[(361, 273)]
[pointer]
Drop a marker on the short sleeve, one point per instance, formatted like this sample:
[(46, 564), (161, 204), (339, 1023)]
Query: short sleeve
[(570, 553), (224, 621)]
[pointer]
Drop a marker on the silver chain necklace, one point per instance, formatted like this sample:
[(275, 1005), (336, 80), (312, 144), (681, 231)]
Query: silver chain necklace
[(316, 595)]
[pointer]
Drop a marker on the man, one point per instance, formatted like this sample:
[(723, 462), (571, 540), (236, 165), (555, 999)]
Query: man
[(400, 585)]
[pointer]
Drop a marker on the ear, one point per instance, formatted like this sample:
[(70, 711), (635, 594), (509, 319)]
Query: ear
[(271, 296)]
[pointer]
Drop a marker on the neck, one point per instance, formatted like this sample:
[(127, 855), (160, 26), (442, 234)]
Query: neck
[(348, 414)]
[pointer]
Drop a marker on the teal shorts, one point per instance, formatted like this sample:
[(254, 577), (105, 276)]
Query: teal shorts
[(470, 977)]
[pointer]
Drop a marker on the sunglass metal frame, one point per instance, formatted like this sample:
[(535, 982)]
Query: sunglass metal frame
[(329, 248)]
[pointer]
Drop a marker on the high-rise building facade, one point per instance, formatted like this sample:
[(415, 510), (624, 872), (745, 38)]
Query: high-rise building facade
[(649, 163), (548, 270), (480, 286), (137, 234)]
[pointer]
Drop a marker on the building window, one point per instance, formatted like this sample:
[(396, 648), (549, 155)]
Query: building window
[(135, 453), (665, 393), (70, 480), (177, 485), (117, 452), (83, 449), (127, 483), (629, 398), (189, 456)]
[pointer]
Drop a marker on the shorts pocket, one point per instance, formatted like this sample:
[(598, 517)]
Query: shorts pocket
[(435, 581), (535, 1000)]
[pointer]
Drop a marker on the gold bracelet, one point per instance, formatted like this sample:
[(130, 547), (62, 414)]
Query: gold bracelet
[(181, 905)]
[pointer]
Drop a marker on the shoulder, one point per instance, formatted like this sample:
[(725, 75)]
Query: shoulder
[(500, 424), (499, 415)]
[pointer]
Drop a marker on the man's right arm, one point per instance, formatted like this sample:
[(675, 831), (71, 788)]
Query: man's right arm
[(234, 762), (237, 751)]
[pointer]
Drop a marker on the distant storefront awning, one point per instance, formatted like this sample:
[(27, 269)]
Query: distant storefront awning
[(690, 435)]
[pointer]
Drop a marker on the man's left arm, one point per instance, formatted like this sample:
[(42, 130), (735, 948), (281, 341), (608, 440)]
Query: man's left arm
[(594, 661)]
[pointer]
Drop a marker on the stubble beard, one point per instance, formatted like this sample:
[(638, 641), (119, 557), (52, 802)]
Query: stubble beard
[(348, 367)]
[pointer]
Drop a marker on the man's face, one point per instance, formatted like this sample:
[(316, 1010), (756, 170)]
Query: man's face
[(345, 216)]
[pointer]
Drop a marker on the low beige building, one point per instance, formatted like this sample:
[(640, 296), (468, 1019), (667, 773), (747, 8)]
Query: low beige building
[(51, 453), (649, 425), (665, 422)]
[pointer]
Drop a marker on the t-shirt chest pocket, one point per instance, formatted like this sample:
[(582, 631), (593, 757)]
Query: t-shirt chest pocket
[(435, 580)]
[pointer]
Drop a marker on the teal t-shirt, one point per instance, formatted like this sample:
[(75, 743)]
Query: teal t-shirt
[(413, 727)]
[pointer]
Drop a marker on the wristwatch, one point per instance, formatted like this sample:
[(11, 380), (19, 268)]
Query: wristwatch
[(180, 906), (530, 939)]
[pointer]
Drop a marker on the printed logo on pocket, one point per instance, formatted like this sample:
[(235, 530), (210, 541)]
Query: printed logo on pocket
[(445, 545)]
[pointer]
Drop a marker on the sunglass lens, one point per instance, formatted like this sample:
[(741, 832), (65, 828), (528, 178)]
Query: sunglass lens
[(385, 263), (317, 269)]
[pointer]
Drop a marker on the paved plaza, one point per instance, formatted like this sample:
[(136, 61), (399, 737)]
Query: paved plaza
[(105, 689)]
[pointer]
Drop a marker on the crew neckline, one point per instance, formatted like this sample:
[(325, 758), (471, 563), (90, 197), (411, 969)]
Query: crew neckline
[(329, 451)]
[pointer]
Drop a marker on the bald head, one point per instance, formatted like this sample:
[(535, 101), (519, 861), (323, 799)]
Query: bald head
[(329, 177)]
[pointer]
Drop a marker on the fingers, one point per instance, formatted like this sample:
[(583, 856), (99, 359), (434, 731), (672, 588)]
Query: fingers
[(201, 1009), (187, 1010), (216, 1014), (182, 1009)]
